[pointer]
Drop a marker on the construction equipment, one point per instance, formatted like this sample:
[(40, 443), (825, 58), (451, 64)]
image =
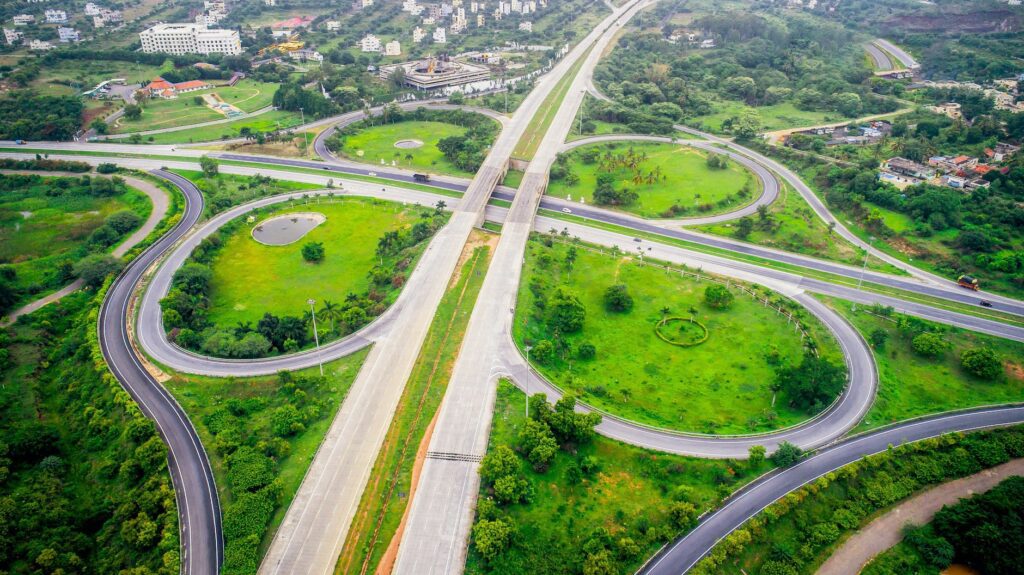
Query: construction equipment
[(968, 282)]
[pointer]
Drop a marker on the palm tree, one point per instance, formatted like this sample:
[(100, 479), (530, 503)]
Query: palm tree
[(331, 311), (665, 311)]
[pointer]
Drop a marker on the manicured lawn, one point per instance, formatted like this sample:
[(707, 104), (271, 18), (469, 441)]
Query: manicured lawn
[(627, 496), (250, 278), (40, 232), (720, 386), (911, 385), (687, 181), (377, 143), (247, 96), (775, 117), (267, 122), (232, 411), (384, 501), (225, 190)]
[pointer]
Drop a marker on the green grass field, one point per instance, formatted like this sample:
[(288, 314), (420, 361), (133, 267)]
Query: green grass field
[(775, 117), (628, 495), (207, 399), (911, 385), (266, 122), (384, 501), (247, 96), (376, 143), (527, 145), (720, 386), (225, 190), (250, 278), (687, 180), (67, 77), (39, 232)]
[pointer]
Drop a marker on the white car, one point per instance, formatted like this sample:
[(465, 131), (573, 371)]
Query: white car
[(566, 211), (374, 174)]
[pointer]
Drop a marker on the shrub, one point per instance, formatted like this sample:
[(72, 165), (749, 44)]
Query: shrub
[(982, 362), (786, 455), (313, 252), (928, 344), (94, 269), (617, 298), (543, 352), (491, 537), (124, 221), (878, 337), (586, 350), (718, 296)]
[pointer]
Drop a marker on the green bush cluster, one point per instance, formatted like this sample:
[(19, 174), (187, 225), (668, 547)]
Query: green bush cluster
[(794, 534)]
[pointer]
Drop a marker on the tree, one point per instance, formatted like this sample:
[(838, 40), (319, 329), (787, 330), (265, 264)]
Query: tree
[(813, 384), (745, 226), (193, 278), (928, 344), (100, 126), (617, 298), (568, 425), (599, 563), (543, 352), (209, 166), (123, 221), (539, 444), (132, 112), (491, 537), (498, 463), (982, 362), (878, 337), (313, 252), (747, 125), (565, 311), (586, 350), (718, 296), (683, 514), (95, 268), (756, 455), (786, 455)]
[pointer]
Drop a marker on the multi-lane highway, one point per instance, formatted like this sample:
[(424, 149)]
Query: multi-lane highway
[(880, 59), (202, 543)]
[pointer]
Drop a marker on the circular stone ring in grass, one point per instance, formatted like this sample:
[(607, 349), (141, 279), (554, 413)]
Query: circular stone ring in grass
[(691, 331), (287, 228), (408, 144)]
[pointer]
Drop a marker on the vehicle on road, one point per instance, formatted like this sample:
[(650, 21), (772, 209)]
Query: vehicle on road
[(985, 303), (637, 240), (372, 174), (566, 211), (19, 142), (968, 282), (421, 177)]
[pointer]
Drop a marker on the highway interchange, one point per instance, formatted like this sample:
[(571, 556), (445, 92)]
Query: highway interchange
[(315, 525)]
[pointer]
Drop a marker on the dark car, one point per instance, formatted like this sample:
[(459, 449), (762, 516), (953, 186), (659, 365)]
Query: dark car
[(985, 303)]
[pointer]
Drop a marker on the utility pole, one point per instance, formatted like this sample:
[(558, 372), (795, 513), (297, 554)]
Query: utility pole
[(316, 336)]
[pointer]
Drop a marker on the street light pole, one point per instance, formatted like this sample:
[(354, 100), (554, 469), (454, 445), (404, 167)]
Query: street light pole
[(316, 336), (526, 382)]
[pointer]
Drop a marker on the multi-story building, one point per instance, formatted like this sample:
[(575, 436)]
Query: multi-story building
[(370, 43), (56, 16), (440, 37), (526, 26), (418, 35), (332, 25), (67, 34), (91, 9), (189, 39), (393, 48), (12, 37), (40, 45), (23, 19)]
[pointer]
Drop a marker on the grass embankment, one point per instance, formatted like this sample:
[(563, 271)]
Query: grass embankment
[(191, 108), (670, 180), (261, 434), (796, 534), (72, 77), (225, 190), (376, 145), (720, 386), (251, 278), (774, 117), (267, 122), (49, 223), (911, 385), (386, 498), (602, 502), (539, 124)]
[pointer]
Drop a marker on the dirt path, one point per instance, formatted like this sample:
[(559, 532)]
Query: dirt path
[(161, 202), (887, 530)]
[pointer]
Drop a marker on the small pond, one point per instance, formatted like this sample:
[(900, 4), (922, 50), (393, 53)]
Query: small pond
[(286, 228)]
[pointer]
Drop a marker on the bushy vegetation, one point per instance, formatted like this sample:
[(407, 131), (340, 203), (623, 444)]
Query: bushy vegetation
[(187, 304), (795, 534), (555, 498), (53, 230), (24, 115), (223, 191), (983, 532), (84, 486)]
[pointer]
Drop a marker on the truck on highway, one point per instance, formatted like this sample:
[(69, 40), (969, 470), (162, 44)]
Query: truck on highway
[(968, 282), (421, 177)]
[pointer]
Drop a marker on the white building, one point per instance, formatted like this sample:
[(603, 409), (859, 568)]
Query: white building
[(270, 3), (67, 34), (24, 19), (306, 55), (189, 39), (480, 20), (40, 45), (92, 9), (332, 25), (12, 37), (526, 26), (417, 35), (370, 43), (412, 7), (439, 35), (393, 48), (56, 16)]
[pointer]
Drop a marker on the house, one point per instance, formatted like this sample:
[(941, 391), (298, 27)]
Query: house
[(418, 35), (949, 109), (92, 9), (370, 43), (24, 19), (270, 3), (12, 36), (160, 88), (393, 48), (306, 55), (707, 43), (40, 45), (56, 16), (67, 34), (907, 167), (1004, 151), (962, 163), (526, 26), (439, 36), (332, 25)]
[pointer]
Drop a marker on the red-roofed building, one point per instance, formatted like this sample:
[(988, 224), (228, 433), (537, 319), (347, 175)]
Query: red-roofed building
[(160, 88)]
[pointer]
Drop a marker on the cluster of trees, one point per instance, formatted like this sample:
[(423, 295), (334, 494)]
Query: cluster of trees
[(548, 430), (25, 115), (812, 385), (293, 97), (84, 486), (186, 306), (562, 313), (932, 342), (790, 536), (87, 261)]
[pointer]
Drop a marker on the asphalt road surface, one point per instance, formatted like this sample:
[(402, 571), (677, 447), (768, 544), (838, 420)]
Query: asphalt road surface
[(880, 58), (906, 60), (202, 542)]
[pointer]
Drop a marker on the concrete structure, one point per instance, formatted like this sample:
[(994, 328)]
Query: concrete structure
[(68, 34), (526, 26), (306, 55), (23, 19), (12, 37), (189, 39), (56, 16), (332, 25), (393, 48), (432, 73), (439, 36), (40, 45), (370, 43), (160, 88), (91, 9), (418, 35), (950, 109)]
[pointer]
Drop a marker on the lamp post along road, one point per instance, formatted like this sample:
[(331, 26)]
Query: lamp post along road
[(316, 336)]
